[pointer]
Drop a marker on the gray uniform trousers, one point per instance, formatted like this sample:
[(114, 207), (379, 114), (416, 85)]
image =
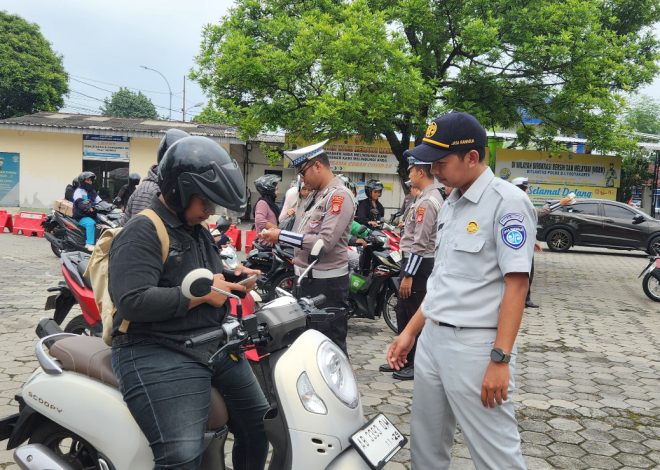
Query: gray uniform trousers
[(449, 369)]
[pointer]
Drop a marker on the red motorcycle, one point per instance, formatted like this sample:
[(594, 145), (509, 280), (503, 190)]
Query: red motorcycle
[(76, 289)]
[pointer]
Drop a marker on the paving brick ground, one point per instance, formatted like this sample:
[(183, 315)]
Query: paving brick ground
[(589, 359)]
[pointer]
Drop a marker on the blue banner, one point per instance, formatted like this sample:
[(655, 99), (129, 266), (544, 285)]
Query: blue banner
[(9, 178)]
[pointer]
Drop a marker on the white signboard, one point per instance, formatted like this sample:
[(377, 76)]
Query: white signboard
[(106, 147)]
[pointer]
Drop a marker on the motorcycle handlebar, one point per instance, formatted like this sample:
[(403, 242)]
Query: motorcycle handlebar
[(214, 335), (318, 301)]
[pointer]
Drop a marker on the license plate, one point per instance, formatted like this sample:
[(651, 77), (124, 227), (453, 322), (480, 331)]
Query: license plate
[(378, 441), (51, 301), (396, 256)]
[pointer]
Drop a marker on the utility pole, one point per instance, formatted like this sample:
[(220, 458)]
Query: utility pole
[(655, 192), (183, 109)]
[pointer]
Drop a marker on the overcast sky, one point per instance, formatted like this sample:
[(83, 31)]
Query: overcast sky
[(105, 42)]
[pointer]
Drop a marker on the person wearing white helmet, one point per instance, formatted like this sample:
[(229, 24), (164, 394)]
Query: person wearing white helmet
[(327, 216)]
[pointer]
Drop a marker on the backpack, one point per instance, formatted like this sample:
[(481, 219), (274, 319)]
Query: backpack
[(97, 272), (68, 192)]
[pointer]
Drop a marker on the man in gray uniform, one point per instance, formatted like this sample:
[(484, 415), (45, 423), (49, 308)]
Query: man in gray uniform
[(328, 215), (418, 248), (465, 361)]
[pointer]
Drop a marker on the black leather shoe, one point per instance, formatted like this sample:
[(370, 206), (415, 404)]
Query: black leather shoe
[(385, 368), (407, 373), (530, 304)]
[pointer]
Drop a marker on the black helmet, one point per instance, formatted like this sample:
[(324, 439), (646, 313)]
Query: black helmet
[(171, 136), (198, 165), (222, 224), (86, 175), (267, 184), (134, 178), (372, 185)]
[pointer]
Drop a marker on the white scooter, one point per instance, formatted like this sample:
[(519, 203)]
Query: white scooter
[(74, 417)]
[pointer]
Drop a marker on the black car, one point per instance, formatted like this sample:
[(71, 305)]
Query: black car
[(599, 222)]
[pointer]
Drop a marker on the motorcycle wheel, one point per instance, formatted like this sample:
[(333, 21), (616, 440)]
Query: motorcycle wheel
[(67, 445), (56, 251), (651, 286), (389, 315), (78, 326), (286, 281)]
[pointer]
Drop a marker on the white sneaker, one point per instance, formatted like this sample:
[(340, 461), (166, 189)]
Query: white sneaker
[(89, 248)]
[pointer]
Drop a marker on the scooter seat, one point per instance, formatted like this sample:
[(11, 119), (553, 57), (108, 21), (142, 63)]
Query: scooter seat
[(90, 356), (82, 267)]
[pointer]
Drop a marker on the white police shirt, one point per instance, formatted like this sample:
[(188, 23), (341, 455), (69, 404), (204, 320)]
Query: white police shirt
[(482, 235)]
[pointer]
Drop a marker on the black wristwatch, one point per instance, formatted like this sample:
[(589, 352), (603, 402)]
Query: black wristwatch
[(497, 355)]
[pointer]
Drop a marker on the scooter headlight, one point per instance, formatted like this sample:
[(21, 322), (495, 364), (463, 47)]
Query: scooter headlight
[(310, 400), (337, 373)]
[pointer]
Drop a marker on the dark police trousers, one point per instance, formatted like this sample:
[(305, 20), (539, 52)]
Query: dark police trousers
[(335, 290), (405, 308)]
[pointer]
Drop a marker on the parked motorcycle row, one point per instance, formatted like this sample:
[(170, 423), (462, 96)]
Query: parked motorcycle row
[(374, 279)]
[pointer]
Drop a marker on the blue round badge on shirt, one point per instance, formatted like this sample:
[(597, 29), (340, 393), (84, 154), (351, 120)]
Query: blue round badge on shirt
[(514, 236)]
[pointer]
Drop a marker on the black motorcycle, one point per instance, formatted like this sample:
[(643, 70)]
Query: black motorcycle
[(281, 274), (65, 234), (260, 257), (374, 287)]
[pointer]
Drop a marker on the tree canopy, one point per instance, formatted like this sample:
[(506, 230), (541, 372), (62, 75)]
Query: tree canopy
[(387, 67), (642, 115), (32, 76), (126, 103)]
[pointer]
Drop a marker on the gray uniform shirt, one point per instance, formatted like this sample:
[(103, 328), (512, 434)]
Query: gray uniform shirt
[(420, 228), (483, 235), (329, 219)]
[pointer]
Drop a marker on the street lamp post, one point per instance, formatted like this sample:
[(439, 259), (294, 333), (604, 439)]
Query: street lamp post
[(168, 86)]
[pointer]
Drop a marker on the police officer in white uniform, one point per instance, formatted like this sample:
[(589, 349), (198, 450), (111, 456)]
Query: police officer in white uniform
[(327, 216), (465, 360), (418, 248)]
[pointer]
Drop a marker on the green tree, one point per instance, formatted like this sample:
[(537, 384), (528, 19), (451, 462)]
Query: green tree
[(387, 67), (126, 103), (643, 115), (32, 76), (634, 173)]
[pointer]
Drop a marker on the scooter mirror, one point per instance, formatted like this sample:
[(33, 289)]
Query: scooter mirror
[(197, 283), (316, 251)]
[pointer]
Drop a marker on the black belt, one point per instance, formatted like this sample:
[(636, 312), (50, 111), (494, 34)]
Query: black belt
[(449, 325), (441, 323)]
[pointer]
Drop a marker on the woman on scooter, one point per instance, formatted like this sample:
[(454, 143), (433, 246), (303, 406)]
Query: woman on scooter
[(266, 211), (370, 210), (167, 386), (85, 198)]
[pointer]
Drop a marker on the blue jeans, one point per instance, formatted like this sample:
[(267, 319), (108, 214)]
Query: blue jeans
[(90, 228), (168, 394)]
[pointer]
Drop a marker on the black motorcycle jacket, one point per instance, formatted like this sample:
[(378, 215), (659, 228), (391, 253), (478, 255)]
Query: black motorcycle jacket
[(147, 292), (365, 211)]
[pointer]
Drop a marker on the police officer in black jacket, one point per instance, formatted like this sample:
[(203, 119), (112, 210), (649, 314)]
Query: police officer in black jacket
[(167, 386)]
